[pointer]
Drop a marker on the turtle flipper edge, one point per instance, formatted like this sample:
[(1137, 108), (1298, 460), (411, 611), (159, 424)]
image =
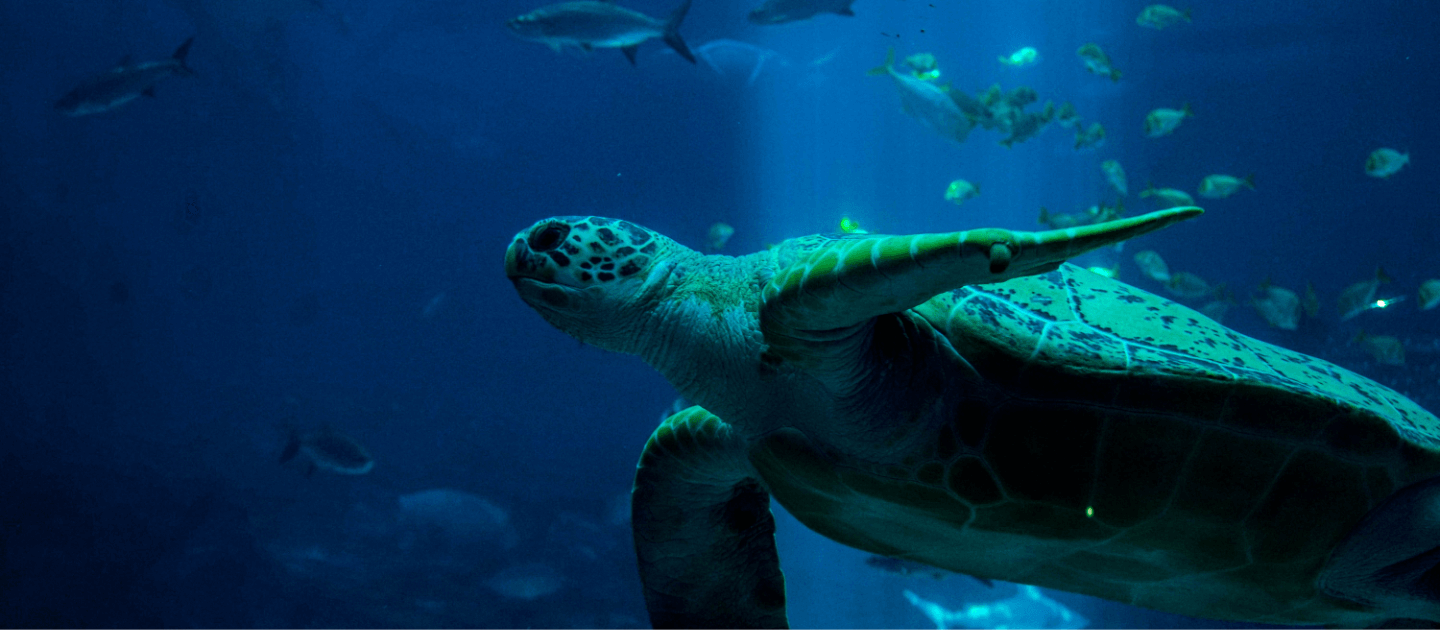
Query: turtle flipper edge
[(1391, 558), (704, 535), (850, 280)]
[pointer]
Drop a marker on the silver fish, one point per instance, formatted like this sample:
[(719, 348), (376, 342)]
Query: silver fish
[(929, 103), (123, 83), (782, 11), (589, 24), (330, 451)]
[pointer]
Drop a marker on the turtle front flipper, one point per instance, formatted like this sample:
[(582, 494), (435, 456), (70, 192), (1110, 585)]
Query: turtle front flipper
[(704, 534), (850, 279)]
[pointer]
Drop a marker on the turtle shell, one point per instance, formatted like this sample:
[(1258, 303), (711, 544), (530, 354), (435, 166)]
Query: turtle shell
[(1124, 446)]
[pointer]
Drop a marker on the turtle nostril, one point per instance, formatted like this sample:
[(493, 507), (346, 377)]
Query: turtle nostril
[(548, 238)]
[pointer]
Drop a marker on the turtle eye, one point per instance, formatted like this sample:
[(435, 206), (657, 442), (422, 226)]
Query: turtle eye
[(549, 238)]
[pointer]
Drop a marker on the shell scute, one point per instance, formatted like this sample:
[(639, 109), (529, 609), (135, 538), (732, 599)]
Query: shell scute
[(1140, 465), (1305, 496), (1046, 451)]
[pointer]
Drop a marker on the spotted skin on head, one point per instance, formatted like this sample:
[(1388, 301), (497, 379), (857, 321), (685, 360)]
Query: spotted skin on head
[(585, 251)]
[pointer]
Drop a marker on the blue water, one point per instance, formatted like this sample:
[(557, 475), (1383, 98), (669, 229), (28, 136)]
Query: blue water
[(310, 233)]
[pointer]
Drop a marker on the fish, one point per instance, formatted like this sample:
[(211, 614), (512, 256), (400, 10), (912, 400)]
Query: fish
[(1159, 16), (1097, 62), (1026, 56), (328, 450), (1429, 294), (1091, 137), (461, 517), (1153, 266), (923, 66), (1168, 197), (1360, 297), (718, 236), (1060, 221), (851, 226), (590, 24), (900, 566), (1066, 116), (1162, 121), (527, 581), (1222, 186), (1311, 301), (927, 102), (1189, 286), (725, 55), (782, 11), (1115, 174), (124, 83), (1384, 162), (1028, 608), (1279, 306), (1385, 349), (1091, 215), (1216, 309), (1024, 126), (1112, 272), (961, 191)]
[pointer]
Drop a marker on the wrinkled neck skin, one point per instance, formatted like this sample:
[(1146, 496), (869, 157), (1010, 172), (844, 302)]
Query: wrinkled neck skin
[(703, 335)]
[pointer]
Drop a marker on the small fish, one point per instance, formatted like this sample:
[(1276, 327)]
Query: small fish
[(850, 226), (1384, 162), (1112, 273), (1093, 136), (1024, 57), (1385, 349), (460, 517), (1097, 62), (1189, 286), (901, 566), (1115, 174), (1168, 197), (330, 451), (1360, 297), (123, 83), (718, 235), (590, 24), (1159, 16), (1162, 121), (725, 56), (1222, 186), (1216, 310), (1429, 294), (961, 191), (1060, 221), (1066, 116), (1153, 266), (1311, 301), (782, 11), (1279, 306), (922, 66)]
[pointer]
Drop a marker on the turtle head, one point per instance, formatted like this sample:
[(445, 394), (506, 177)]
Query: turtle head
[(594, 278)]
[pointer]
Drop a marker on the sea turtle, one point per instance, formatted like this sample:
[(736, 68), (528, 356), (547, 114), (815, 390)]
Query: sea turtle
[(970, 401)]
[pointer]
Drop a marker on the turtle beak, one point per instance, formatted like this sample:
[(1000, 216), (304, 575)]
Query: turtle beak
[(520, 262), (512, 258)]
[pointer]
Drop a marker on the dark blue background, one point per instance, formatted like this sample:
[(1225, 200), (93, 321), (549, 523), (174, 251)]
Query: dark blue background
[(360, 167)]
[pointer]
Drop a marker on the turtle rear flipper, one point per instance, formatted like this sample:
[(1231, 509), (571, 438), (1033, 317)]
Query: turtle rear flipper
[(704, 534), (845, 281), (1391, 559)]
